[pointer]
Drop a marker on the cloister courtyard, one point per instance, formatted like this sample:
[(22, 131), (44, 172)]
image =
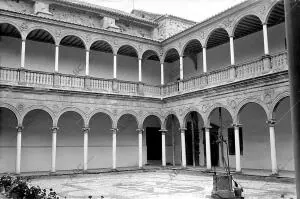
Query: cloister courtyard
[(167, 183)]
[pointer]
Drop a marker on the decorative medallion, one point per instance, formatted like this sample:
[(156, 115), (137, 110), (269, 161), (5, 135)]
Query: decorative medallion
[(24, 26), (20, 107)]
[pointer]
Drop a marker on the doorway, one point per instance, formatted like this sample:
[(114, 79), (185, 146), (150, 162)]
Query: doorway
[(153, 142)]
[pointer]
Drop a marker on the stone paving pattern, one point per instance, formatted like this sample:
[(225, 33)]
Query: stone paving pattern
[(156, 185)]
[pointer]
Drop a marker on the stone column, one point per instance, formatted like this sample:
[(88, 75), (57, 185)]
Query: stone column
[(232, 58), (85, 147), (183, 153), (140, 133), (204, 60), (181, 68), (19, 143), (140, 70), (23, 47), (87, 62), (207, 145), (271, 124), (163, 147), (237, 147), (114, 148), (53, 156), (162, 79), (115, 66), (266, 41), (56, 58)]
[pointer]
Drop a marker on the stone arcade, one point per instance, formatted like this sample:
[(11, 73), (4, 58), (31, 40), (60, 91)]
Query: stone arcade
[(87, 87)]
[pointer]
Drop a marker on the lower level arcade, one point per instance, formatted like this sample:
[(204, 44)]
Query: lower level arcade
[(37, 142)]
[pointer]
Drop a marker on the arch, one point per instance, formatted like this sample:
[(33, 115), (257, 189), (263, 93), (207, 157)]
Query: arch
[(104, 111), (167, 51), (212, 108), (15, 29), (196, 40), (101, 43), (35, 32), (270, 9), (71, 109), (151, 114), (215, 31), (147, 54), (242, 18), (188, 112), (247, 101), (166, 119), (39, 107), (67, 36), (128, 112), (276, 102), (128, 50), (15, 111)]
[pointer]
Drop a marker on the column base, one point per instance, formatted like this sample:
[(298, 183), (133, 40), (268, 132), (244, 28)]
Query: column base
[(275, 174)]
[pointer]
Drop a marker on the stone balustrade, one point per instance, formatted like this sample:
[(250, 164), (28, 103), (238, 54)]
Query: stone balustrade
[(247, 70)]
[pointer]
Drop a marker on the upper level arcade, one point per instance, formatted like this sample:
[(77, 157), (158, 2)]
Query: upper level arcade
[(42, 49)]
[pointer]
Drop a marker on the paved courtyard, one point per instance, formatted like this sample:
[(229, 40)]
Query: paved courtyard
[(156, 185)]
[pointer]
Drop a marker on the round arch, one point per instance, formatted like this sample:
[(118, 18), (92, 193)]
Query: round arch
[(103, 111), (149, 53), (211, 110), (71, 109), (63, 40), (37, 31), (165, 118), (156, 115), (43, 108), (171, 48), (101, 44), (15, 28), (270, 9), (241, 18), (128, 50), (15, 111), (187, 114), (193, 40), (128, 112), (247, 101), (213, 31), (276, 102)]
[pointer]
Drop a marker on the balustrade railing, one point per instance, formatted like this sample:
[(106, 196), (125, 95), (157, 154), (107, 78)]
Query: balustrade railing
[(251, 69)]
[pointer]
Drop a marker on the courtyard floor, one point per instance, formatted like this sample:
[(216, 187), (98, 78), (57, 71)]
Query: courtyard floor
[(157, 184)]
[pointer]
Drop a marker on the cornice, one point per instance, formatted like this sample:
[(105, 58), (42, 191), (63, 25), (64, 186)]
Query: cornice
[(237, 8), (78, 27)]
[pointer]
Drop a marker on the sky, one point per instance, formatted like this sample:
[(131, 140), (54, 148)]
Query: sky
[(195, 10)]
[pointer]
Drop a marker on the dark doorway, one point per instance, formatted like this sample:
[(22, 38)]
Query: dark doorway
[(153, 141), (214, 145), (192, 143)]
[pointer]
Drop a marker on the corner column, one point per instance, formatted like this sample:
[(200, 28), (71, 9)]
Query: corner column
[(140, 70), (266, 41), (232, 58), (87, 62), (237, 147), (183, 153), (140, 133), (56, 58), (207, 146), (85, 147), (204, 60), (162, 79), (181, 68), (271, 124), (19, 142), (115, 66), (114, 147), (163, 147), (53, 156), (23, 47)]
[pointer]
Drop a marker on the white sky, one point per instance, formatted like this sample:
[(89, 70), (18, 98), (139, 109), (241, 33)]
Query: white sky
[(196, 10)]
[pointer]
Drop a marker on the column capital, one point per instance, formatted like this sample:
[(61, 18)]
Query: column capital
[(140, 130), (19, 128), (271, 122), (57, 45), (85, 129), (163, 131), (54, 128), (23, 40), (114, 130), (236, 125), (204, 46), (207, 127), (87, 50), (182, 130), (115, 54), (265, 24)]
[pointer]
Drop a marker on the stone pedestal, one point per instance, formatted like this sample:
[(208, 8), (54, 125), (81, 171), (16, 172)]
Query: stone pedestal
[(267, 63), (21, 76), (87, 83), (222, 186)]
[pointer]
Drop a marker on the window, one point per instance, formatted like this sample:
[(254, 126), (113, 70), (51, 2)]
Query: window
[(231, 141)]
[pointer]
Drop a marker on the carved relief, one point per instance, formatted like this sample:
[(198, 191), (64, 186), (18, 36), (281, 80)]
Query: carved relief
[(268, 96), (24, 26), (20, 107), (227, 22)]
